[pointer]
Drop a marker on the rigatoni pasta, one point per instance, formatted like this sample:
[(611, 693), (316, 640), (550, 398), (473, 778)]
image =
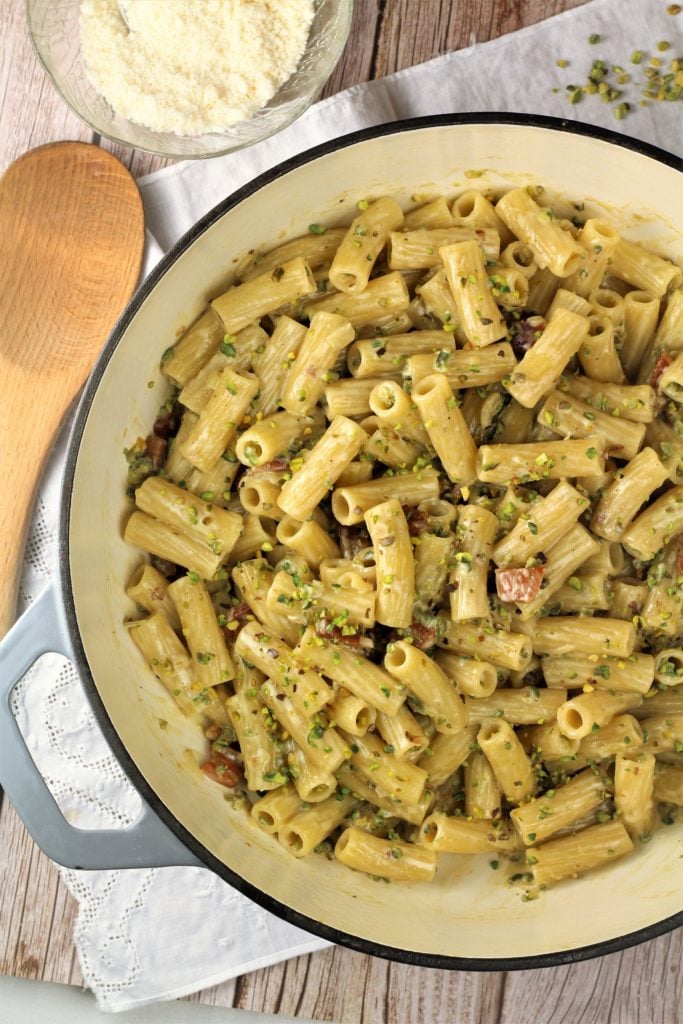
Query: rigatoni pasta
[(407, 571)]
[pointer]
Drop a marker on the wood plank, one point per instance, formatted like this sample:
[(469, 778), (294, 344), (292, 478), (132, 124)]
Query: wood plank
[(642, 985)]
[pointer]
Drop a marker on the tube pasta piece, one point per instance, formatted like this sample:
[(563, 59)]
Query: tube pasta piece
[(379, 356), (656, 526), (434, 214), (478, 313), (257, 533), (307, 376), (308, 539), (543, 817), (253, 579), (392, 405), (483, 794), (185, 359), (535, 226), (420, 248), (464, 368), (608, 303), (565, 556), (669, 785), (436, 299), (628, 598), (622, 733), (244, 303), (313, 784), (527, 705), (668, 335), (569, 416), (632, 488), (634, 776), (663, 703), (476, 529), (598, 354), (307, 689), (538, 460), (200, 388), (402, 862), (519, 257), (388, 529), (634, 403), (346, 573), (272, 365), (215, 484), (171, 664), (446, 428), (177, 468), (259, 494), (350, 669), (540, 369), (316, 249), (219, 419), (361, 245), (445, 834), (474, 210), (310, 827), (481, 640), (352, 714), (599, 239), (446, 753), (641, 312), (542, 526), (356, 473), (574, 855), (549, 741), (274, 435), (338, 446), (415, 814), (323, 746), (381, 296), (273, 811), (662, 733), (403, 733), (471, 677), (642, 269), (508, 759), (149, 589), (214, 527), (590, 711), (351, 397), (426, 681), (634, 674), (584, 593), (400, 779), (432, 558), (670, 383), (177, 546), (259, 755), (203, 635), (562, 634), (542, 288), (309, 599), (668, 670)]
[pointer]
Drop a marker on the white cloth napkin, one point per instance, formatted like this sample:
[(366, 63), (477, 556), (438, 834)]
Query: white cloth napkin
[(149, 935)]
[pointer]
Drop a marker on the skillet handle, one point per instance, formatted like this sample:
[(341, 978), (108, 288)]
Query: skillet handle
[(147, 843)]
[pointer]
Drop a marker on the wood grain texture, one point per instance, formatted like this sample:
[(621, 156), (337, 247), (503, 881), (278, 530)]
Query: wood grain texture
[(639, 986), (71, 240)]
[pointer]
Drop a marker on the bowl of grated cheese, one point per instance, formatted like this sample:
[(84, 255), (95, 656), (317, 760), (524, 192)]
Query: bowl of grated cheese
[(190, 79)]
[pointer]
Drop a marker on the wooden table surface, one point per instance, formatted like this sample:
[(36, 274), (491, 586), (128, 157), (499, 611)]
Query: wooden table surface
[(639, 986)]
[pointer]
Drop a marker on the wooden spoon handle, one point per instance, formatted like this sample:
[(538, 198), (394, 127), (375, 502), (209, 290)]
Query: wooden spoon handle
[(71, 240)]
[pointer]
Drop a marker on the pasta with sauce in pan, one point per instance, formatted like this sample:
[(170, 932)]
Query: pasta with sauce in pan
[(415, 518)]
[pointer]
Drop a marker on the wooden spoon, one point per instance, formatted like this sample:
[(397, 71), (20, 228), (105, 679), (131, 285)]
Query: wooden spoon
[(71, 240)]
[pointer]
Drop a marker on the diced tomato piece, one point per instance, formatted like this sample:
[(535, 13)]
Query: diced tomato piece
[(520, 585), (665, 360), (223, 768)]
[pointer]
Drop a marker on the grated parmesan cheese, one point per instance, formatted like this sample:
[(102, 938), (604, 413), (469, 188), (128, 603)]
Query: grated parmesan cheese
[(192, 66)]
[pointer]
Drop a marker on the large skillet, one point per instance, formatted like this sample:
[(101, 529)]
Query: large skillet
[(468, 919)]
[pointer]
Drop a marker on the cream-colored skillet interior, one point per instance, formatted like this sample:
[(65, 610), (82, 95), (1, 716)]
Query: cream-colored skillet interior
[(466, 912)]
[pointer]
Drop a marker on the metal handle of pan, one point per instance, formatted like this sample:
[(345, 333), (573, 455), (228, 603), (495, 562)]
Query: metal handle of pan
[(146, 843)]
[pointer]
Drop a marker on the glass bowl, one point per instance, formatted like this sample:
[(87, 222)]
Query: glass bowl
[(54, 29)]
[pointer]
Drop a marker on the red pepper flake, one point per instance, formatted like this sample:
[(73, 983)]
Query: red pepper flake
[(519, 585)]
